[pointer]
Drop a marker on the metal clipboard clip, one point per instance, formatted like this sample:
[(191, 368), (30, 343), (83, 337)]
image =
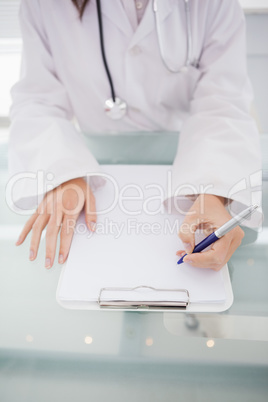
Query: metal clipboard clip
[(110, 302)]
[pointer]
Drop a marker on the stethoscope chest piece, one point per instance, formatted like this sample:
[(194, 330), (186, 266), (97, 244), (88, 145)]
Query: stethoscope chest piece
[(115, 109)]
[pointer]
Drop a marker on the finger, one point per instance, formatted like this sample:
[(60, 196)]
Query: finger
[(26, 229), (53, 228), (37, 228), (180, 253), (214, 258), (187, 232), (220, 252), (90, 210), (66, 235)]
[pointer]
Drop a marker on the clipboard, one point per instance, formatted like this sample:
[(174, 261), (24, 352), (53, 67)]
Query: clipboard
[(103, 272)]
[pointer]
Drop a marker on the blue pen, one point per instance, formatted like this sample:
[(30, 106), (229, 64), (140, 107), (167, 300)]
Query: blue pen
[(232, 223)]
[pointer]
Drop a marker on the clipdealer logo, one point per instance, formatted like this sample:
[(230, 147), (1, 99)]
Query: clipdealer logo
[(148, 198)]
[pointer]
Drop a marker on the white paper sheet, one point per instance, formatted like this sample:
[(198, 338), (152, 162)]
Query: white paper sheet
[(135, 244)]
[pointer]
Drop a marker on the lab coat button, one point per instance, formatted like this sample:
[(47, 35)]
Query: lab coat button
[(135, 50)]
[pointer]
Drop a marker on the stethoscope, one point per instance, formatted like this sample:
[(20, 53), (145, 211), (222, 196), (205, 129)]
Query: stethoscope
[(115, 107)]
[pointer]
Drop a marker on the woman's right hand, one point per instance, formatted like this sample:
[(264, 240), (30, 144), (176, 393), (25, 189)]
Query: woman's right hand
[(59, 211)]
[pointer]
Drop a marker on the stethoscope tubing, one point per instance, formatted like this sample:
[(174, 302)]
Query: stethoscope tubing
[(103, 50)]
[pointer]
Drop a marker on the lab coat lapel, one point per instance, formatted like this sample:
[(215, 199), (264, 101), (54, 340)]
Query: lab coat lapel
[(114, 11), (147, 23)]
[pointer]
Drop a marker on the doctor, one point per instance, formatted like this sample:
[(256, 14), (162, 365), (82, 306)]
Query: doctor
[(128, 65)]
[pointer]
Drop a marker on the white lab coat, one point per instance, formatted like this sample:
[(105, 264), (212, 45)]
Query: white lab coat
[(63, 77)]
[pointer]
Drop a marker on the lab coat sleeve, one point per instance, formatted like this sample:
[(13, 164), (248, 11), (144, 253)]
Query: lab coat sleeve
[(219, 150), (45, 149)]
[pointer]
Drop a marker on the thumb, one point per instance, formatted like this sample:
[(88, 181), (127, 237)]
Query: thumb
[(187, 234), (90, 210)]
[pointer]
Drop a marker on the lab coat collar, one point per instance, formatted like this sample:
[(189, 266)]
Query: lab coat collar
[(115, 12)]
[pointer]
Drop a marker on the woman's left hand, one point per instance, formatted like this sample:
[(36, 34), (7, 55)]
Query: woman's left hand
[(208, 213)]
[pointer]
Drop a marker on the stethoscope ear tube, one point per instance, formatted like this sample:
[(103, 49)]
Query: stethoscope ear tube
[(183, 68)]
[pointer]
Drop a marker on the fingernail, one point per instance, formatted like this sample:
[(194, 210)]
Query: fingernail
[(48, 263), (18, 241), (31, 256), (180, 253), (92, 226), (60, 258), (187, 247)]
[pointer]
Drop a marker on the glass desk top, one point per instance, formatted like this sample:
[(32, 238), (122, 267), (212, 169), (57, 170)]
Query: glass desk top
[(49, 352)]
